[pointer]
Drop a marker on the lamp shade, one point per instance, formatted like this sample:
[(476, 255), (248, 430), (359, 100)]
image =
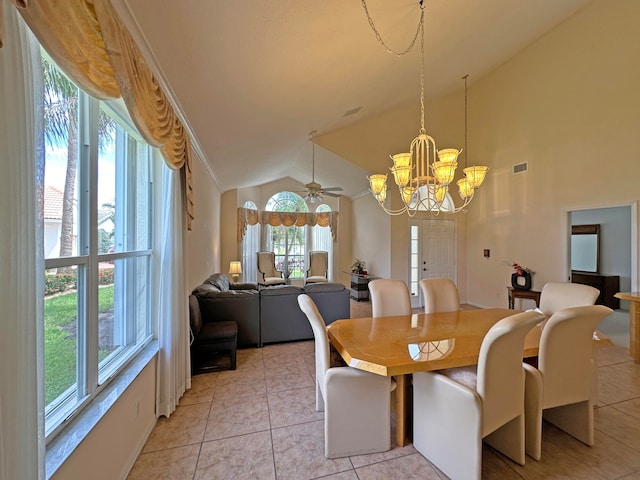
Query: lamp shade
[(378, 183), (476, 175), (235, 268), (465, 188)]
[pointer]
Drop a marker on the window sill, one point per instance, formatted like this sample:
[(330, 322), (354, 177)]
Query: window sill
[(67, 440)]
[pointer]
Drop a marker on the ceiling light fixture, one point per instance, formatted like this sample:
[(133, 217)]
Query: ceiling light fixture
[(314, 190), (423, 175)]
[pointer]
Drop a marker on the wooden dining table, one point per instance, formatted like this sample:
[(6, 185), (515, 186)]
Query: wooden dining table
[(401, 345)]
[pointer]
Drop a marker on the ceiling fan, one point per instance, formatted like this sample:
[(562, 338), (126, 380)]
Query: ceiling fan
[(314, 191)]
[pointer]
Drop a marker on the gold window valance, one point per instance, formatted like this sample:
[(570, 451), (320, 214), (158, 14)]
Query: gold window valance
[(87, 39), (248, 216)]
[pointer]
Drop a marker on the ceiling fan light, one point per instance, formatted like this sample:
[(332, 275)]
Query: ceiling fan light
[(382, 196)]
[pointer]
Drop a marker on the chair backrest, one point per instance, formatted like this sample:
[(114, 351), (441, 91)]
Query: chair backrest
[(320, 336), (267, 264), (318, 263), (500, 374), (439, 295), (566, 352), (195, 316), (556, 296), (389, 297)]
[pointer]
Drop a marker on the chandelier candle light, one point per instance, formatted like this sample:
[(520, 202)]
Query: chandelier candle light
[(422, 179)]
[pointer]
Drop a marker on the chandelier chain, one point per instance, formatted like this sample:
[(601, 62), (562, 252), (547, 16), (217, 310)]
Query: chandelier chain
[(422, 129), (379, 37), (466, 150)]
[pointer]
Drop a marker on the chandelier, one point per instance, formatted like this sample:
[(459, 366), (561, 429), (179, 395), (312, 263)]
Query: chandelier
[(424, 174)]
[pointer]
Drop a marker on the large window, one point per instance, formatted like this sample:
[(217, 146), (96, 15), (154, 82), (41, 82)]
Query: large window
[(321, 239), (97, 235), (288, 243)]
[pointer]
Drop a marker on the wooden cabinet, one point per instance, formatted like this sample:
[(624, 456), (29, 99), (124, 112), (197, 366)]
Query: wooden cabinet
[(608, 285), (360, 286)]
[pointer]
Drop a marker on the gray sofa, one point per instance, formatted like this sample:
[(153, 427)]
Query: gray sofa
[(281, 319), (271, 314), (220, 300)]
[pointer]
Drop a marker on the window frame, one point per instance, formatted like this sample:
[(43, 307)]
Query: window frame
[(280, 202), (91, 377)]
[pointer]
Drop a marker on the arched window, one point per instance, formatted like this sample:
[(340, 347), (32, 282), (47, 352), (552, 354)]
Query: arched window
[(288, 243), (321, 238), (250, 246)]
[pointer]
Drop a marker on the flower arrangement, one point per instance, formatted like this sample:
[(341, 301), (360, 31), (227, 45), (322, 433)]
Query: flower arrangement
[(358, 266), (520, 270)]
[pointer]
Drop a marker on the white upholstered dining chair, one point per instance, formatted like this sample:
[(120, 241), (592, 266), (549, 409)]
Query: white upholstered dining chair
[(556, 296), (439, 295), (455, 409), (356, 403), (389, 297), (562, 385)]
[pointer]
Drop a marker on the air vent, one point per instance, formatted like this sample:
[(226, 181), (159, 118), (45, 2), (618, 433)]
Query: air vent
[(520, 168), (353, 111)]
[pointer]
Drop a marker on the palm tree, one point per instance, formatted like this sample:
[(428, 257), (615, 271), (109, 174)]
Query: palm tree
[(61, 125)]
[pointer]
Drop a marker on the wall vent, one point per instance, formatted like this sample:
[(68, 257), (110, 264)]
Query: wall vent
[(353, 111), (520, 168)]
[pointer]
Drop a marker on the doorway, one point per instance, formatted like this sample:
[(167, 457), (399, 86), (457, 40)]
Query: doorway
[(432, 253), (618, 257)]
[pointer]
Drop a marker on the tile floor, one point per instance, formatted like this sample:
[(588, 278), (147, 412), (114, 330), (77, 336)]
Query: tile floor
[(259, 422)]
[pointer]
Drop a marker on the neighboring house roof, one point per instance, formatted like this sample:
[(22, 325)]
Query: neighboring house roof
[(53, 203)]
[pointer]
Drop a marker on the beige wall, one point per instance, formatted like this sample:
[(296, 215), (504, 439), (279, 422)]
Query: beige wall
[(569, 105), (121, 433), (202, 243)]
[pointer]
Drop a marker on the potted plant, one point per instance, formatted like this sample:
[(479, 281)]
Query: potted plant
[(359, 267), (521, 278)]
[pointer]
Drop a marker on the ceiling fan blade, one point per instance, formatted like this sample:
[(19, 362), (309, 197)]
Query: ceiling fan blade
[(332, 189), (331, 194)]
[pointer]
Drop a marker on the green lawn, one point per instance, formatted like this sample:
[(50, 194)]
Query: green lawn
[(60, 324)]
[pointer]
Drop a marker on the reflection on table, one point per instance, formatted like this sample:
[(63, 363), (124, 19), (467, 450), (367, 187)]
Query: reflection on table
[(397, 346)]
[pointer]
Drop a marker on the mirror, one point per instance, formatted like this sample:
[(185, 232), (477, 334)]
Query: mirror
[(585, 248)]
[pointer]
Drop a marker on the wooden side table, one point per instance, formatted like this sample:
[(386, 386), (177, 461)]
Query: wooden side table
[(514, 293), (360, 286)]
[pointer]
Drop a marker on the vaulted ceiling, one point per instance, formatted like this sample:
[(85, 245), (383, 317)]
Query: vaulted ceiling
[(253, 78)]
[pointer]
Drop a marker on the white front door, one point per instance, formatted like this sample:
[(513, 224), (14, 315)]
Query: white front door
[(432, 253)]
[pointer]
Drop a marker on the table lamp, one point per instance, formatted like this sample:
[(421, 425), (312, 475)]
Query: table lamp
[(235, 269)]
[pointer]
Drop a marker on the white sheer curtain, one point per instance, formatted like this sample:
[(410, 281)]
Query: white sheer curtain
[(174, 369), (21, 262), (250, 247), (321, 239)]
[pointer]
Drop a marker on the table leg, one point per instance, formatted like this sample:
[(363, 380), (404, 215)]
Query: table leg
[(404, 406), (634, 331)]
